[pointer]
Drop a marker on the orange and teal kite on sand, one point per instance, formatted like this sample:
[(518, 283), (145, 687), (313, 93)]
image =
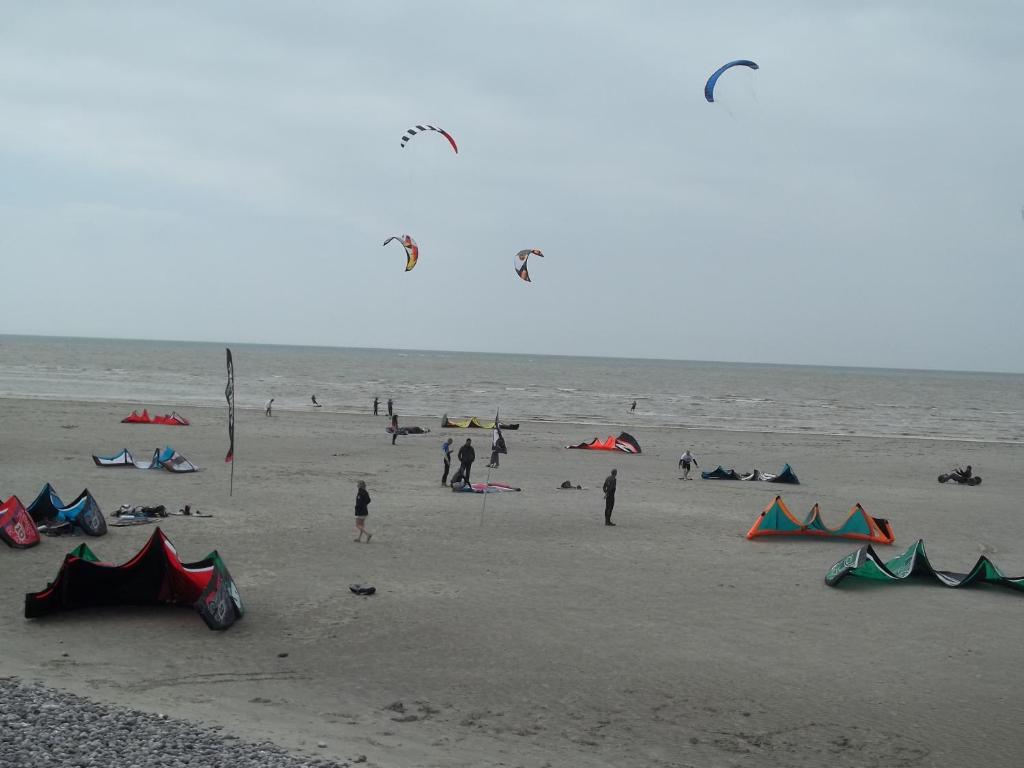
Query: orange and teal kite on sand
[(777, 520)]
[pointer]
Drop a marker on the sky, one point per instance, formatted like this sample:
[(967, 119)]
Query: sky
[(219, 171)]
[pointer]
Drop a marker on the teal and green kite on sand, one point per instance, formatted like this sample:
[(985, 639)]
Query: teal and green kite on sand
[(866, 564)]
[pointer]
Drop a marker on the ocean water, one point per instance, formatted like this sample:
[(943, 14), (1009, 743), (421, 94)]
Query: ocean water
[(733, 396)]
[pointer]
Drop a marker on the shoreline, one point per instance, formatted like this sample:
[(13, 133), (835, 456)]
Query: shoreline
[(169, 405)]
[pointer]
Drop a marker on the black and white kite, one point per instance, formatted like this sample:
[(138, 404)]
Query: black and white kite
[(421, 128)]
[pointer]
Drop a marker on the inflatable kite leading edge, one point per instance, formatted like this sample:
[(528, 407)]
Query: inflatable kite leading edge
[(17, 528), (866, 564), (777, 520), (625, 443), (154, 576)]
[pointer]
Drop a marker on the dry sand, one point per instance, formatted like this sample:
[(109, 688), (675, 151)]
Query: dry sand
[(533, 635)]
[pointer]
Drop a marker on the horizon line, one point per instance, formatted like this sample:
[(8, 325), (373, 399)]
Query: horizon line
[(514, 354)]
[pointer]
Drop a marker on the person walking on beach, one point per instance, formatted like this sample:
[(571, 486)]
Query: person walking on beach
[(632, 408), (685, 461), (467, 455), (269, 406), (609, 496), (446, 450), (376, 402), (362, 510), (391, 406)]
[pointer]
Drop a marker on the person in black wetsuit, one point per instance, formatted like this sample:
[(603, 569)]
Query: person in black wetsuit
[(315, 403), (391, 406), (376, 402), (362, 510), (964, 474), (467, 455), (609, 496)]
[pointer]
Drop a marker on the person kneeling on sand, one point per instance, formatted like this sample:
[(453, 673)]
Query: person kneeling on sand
[(362, 510)]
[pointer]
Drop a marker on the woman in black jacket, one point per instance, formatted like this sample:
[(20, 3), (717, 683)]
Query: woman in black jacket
[(362, 510)]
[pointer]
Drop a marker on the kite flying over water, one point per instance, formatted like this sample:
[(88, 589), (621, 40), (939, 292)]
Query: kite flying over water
[(421, 128), (412, 251), (520, 263), (709, 86)]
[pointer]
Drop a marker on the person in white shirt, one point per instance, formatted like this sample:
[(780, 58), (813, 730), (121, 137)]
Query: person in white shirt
[(269, 406), (685, 461)]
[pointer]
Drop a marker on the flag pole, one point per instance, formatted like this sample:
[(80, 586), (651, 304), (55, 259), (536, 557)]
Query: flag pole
[(483, 508), (231, 482), (229, 395)]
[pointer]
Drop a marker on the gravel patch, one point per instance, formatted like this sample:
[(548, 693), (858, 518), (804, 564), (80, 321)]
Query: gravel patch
[(46, 728)]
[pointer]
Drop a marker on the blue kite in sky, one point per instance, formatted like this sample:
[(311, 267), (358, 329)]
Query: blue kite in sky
[(709, 86)]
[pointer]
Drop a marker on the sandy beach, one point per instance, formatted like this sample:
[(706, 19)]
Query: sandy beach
[(529, 634)]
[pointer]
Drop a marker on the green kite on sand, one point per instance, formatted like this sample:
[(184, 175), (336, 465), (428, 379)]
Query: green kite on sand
[(866, 564)]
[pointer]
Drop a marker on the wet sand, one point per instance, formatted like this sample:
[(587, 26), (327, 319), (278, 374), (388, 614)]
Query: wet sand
[(529, 633)]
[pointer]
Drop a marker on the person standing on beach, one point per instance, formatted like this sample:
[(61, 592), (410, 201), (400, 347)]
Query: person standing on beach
[(632, 408), (609, 496), (376, 402), (391, 406), (685, 461), (362, 510), (394, 428), (467, 455), (497, 446), (446, 449), (269, 406)]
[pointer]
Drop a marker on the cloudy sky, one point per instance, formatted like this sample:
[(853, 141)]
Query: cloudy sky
[(228, 172)]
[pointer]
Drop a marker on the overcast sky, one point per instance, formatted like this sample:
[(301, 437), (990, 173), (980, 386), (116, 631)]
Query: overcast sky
[(228, 172)]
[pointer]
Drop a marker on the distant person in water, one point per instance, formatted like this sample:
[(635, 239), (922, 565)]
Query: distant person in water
[(609, 496), (685, 461), (376, 403), (394, 428), (362, 511), (391, 407), (315, 403), (446, 449), (269, 406), (632, 408)]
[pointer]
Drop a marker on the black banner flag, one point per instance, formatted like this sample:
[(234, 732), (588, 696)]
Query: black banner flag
[(229, 395)]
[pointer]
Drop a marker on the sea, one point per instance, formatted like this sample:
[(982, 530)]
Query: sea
[(797, 399)]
